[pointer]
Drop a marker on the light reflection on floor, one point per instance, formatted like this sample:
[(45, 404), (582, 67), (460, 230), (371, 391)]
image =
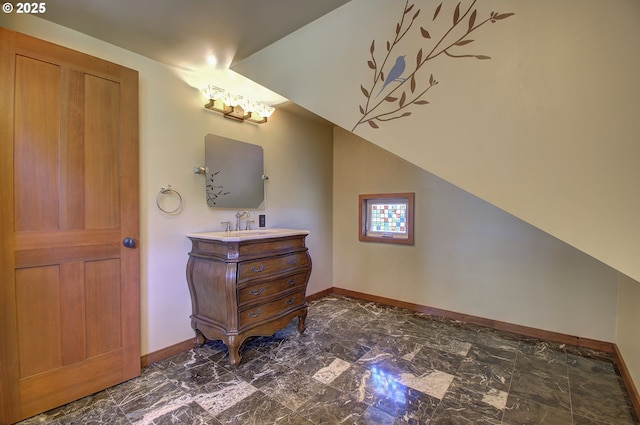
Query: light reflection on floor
[(384, 384)]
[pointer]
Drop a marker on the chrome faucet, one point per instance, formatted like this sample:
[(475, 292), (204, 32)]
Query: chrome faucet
[(240, 216)]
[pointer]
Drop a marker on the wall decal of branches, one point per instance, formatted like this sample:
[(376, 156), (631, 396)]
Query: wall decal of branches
[(213, 190), (405, 90)]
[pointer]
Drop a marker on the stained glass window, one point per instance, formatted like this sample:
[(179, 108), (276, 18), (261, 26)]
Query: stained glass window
[(387, 218)]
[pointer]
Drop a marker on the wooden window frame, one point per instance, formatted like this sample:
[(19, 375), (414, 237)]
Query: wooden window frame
[(365, 235)]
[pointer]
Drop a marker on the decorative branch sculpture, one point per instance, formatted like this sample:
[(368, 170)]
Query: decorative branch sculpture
[(411, 89)]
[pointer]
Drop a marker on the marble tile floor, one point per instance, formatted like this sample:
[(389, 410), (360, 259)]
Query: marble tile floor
[(364, 363)]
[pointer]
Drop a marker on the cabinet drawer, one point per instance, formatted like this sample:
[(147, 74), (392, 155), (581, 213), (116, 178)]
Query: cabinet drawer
[(267, 266), (265, 289), (263, 312)]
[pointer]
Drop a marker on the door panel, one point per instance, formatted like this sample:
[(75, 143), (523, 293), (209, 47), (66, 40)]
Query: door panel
[(72, 312), (102, 206), (103, 309), (38, 290), (72, 147), (36, 165), (69, 297)]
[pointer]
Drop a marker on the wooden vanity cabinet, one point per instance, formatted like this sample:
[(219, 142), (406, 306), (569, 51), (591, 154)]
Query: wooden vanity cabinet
[(247, 287)]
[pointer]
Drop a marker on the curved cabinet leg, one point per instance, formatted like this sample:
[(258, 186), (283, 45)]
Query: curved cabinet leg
[(200, 338), (233, 345), (301, 319)]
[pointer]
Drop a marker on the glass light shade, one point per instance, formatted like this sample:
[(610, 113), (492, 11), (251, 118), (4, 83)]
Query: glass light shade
[(265, 110), (231, 99), (249, 105), (213, 92)]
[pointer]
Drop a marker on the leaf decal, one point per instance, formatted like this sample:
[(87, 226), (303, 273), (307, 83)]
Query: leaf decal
[(382, 75), (416, 14), (361, 109), (431, 79), (419, 57), (463, 42), (371, 65), (372, 48), (456, 14), (425, 33), (388, 46), (482, 57), (503, 15), (421, 102), (403, 99), (372, 124), (390, 99), (472, 19), (364, 91), (408, 9), (406, 114), (397, 28), (413, 83), (437, 12)]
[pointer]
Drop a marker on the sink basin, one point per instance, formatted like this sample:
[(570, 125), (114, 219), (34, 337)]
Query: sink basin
[(236, 236)]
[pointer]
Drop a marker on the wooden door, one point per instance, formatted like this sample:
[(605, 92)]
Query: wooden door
[(69, 289)]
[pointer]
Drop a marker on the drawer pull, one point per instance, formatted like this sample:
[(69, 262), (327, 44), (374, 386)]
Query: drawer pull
[(254, 314), (257, 269), (291, 300), (258, 292), (292, 281), (292, 261)]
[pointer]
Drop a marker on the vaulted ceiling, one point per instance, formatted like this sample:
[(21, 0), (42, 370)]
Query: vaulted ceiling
[(201, 38), (184, 33)]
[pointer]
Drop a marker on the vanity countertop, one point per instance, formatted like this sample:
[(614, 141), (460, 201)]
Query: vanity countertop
[(243, 235)]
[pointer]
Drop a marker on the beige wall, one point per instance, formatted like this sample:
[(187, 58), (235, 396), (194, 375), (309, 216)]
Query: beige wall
[(628, 334), (173, 124), (469, 257), (547, 129)]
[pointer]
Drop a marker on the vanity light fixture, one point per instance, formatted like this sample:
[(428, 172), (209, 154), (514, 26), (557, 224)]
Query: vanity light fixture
[(236, 107)]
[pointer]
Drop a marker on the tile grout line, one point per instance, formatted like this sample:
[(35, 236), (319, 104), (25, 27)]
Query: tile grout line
[(513, 371), (573, 420)]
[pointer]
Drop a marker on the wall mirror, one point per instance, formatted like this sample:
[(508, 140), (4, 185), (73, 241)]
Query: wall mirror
[(234, 173)]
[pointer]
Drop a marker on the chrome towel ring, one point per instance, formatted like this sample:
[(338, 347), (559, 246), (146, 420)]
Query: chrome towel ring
[(168, 190)]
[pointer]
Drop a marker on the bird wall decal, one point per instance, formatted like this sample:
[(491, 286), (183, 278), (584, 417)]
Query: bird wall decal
[(411, 89), (395, 73)]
